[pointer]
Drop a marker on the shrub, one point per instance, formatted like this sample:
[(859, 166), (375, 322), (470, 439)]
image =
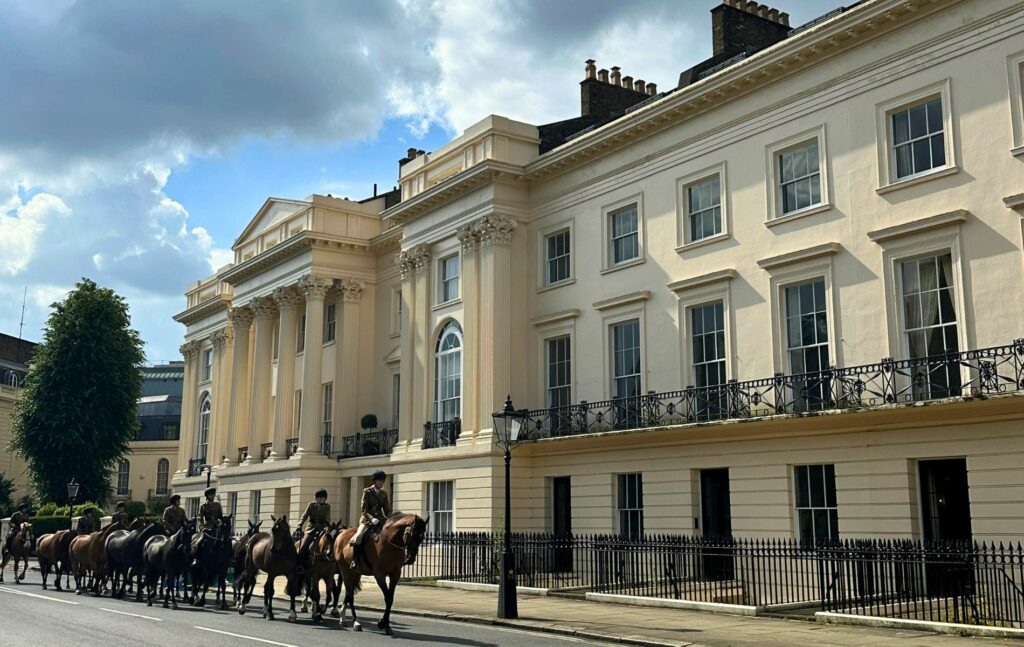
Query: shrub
[(158, 503), (369, 421), (48, 510), (46, 525), (135, 509)]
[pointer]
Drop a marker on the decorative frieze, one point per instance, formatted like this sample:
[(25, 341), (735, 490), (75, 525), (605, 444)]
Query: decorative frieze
[(315, 286)]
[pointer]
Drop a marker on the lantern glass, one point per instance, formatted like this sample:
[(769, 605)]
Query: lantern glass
[(72, 489)]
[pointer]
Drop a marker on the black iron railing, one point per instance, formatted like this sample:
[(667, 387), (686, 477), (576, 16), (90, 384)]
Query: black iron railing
[(265, 450), (441, 434), (291, 446), (327, 444), (195, 466), (379, 442), (955, 582), (243, 453), (974, 373)]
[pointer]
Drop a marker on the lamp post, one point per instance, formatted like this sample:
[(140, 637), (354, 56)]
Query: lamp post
[(72, 494), (208, 469), (507, 425)]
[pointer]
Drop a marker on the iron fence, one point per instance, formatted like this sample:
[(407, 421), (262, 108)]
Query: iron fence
[(195, 466), (243, 453), (368, 443), (291, 446), (967, 583), (441, 434), (975, 373), (265, 450)]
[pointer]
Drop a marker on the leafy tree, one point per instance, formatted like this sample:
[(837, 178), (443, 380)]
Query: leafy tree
[(77, 411), (6, 491)]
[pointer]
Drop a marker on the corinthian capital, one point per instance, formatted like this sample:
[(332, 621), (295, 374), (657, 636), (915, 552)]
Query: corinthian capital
[(241, 317), (221, 338), (190, 349), (315, 286), (468, 239), (351, 289), (415, 259), (495, 230), (264, 307), (287, 298)]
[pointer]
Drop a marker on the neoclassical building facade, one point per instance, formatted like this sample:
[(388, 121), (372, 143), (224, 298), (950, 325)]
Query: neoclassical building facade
[(779, 299)]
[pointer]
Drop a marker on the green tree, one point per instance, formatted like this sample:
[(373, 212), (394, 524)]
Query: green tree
[(6, 491), (77, 411)]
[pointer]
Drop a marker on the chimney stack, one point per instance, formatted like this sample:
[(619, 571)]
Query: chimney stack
[(639, 86), (591, 69), (652, 89), (627, 82), (616, 75), (739, 26), (602, 76)]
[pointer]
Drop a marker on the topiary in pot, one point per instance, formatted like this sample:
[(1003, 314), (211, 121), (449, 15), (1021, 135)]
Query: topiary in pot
[(369, 421)]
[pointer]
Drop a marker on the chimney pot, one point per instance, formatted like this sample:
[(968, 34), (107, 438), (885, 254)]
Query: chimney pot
[(627, 82), (762, 11), (591, 69), (639, 86), (411, 154), (652, 89), (784, 18), (773, 15), (616, 75), (602, 75)]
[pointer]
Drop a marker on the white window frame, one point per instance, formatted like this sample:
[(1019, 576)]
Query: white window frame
[(255, 503), (437, 356), (638, 478), (547, 369), (542, 255), (773, 151), (300, 343), (692, 333), (193, 506), (207, 365), (396, 399), (621, 314), (442, 281), (695, 297), (1015, 74), (330, 322), (641, 376), (606, 237), (124, 472), (562, 324), (203, 429), (794, 474), (396, 311), (327, 408), (165, 475), (683, 186), (437, 523), (887, 180)]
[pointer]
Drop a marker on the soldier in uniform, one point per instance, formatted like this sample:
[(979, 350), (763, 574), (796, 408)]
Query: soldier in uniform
[(318, 513), (120, 516), (174, 515), (210, 513), (19, 517), (374, 509)]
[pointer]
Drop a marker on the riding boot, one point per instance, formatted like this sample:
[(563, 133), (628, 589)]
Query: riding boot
[(357, 555)]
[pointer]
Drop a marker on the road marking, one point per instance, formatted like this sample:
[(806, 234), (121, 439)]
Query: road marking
[(35, 595), (259, 640), (134, 615)]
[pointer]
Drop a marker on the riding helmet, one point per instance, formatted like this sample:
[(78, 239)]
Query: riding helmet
[(175, 498), (379, 475), (120, 505), (321, 493), (210, 491)]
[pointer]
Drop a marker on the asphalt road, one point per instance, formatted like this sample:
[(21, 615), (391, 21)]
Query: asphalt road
[(30, 617)]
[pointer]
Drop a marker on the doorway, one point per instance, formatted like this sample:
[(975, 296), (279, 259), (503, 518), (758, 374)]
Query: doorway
[(945, 504), (716, 519), (561, 522)]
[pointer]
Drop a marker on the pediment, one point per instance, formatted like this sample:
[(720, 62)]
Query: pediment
[(273, 211), (394, 356)]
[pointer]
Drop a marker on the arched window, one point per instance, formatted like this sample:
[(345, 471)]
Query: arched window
[(124, 468), (162, 469), (448, 372), (203, 437)]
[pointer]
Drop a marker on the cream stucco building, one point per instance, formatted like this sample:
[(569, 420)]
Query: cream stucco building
[(693, 291)]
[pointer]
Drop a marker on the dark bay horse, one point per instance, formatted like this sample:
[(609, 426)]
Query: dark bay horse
[(238, 552), (213, 553), (322, 568), (124, 555), (21, 549), (167, 559), (276, 555), (395, 546)]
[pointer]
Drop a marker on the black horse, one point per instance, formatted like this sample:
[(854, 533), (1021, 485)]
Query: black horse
[(213, 553), (168, 558), (124, 558), (238, 550)]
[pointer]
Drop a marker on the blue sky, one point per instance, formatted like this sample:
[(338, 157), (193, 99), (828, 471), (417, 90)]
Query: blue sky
[(138, 149)]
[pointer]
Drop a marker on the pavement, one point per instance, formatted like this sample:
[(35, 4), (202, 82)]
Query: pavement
[(32, 617), (647, 625)]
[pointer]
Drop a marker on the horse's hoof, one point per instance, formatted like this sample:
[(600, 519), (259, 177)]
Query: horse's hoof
[(380, 624), (241, 612), (223, 606), (335, 614), (78, 591), (149, 603), (356, 626), (269, 615)]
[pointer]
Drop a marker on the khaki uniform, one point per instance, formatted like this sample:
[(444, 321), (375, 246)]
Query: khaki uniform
[(174, 519), (120, 517), (210, 515), (17, 519), (317, 514), (375, 505)]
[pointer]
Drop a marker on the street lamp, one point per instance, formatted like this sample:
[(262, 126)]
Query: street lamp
[(508, 423), (208, 469), (72, 493)]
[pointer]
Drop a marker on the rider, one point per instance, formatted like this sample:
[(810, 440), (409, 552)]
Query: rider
[(210, 513), (120, 516), (174, 515), (374, 508), (318, 513), (19, 517)]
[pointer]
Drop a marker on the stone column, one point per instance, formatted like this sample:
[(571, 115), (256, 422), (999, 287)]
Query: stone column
[(288, 300), (346, 374), (471, 329), (190, 351), (315, 288), (495, 234), (355, 499), (421, 387), (220, 431), (238, 407), (406, 424), (262, 369)]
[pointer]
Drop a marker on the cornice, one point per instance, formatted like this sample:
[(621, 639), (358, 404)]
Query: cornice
[(800, 255), (622, 300), (299, 243), (917, 226), (852, 28), (700, 281), (555, 317), (203, 309), (1014, 201), (453, 187)]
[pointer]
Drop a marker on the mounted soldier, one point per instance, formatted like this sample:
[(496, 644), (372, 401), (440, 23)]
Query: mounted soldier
[(120, 516), (174, 515), (19, 517), (317, 514), (374, 509), (210, 513)]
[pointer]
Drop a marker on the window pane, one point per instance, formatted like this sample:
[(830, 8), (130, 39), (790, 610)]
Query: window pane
[(817, 485), (901, 127), (918, 122), (803, 495), (938, 151), (806, 525), (830, 485)]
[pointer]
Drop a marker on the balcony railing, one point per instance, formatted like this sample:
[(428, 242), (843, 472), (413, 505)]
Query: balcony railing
[(291, 446), (368, 443), (973, 373), (265, 450), (243, 453), (195, 466), (441, 434)]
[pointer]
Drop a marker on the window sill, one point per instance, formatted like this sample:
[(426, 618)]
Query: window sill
[(918, 179), (560, 284), (798, 214), (703, 242), (328, 343), (395, 334), (1017, 151), (203, 381), (447, 304), (623, 265)]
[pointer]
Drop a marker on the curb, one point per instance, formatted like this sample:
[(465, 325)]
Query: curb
[(497, 622)]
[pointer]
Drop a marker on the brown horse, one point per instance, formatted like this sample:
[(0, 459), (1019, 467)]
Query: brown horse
[(384, 556), (89, 557), (21, 548), (276, 555), (322, 568), (52, 550)]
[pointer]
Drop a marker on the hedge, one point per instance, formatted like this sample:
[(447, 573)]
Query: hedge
[(45, 525)]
